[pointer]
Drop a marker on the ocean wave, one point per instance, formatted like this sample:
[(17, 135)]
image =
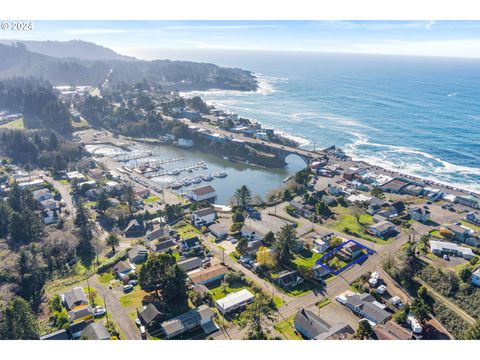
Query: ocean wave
[(300, 140), (413, 162)]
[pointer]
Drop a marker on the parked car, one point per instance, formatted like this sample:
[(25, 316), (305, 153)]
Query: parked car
[(133, 282), (127, 288), (99, 311), (446, 257)]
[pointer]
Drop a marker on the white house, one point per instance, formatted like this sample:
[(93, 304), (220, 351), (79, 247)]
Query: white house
[(234, 301), (322, 242), (203, 217), (382, 228), (75, 175), (420, 214), (440, 248), (202, 193), (476, 277), (218, 230)]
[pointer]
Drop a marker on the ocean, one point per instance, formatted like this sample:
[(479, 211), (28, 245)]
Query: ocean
[(417, 115)]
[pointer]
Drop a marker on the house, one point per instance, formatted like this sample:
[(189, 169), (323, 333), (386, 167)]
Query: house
[(395, 186), (365, 306), (159, 233), (301, 209), (203, 217), (75, 329), (398, 207), (413, 189), (251, 234), (209, 275), (138, 254), (234, 301), (420, 214), (204, 193), (382, 228), (414, 324), (192, 319), (190, 244), (135, 228), (329, 200), (190, 264), (253, 246), (74, 298), (319, 272), (96, 331), (313, 328), (49, 204), (75, 175), (375, 205), (468, 200), (358, 199), (123, 269), (50, 217), (476, 277), (161, 246), (42, 194), (84, 313), (441, 248), (351, 250), (322, 242), (150, 316), (460, 232), (56, 335), (143, 193), (218, 230), (288, 279), (473, 217), (392, 331)]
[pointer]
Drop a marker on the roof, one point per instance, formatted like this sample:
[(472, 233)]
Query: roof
[(395, 184), (190, 263), (137, 250), (392, 331), (162, 245), (398, 206), (204, 212), (149, 313), (204, 190), (180, 322), (382, 225), (134, 223), (77, 327), (75, 297), (96, 331), (447, 246), (217, 228), (122, 266), (233, 299), (337, 331), (56, 335), (190, 242), (310, 322), (207, 274), (80, 313), (365, 302)]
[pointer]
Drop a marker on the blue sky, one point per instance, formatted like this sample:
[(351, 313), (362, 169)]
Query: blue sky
[(140, 38)]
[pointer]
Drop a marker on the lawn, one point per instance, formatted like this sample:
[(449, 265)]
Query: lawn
[(106, 277), (151, 199), (223, 290), (65, 182), (133, 298), (306, 258), (300, 290), (323, 302), (349, 224), (187, 231), (470, 225), (93, 298), (15, 124), (287, 328)]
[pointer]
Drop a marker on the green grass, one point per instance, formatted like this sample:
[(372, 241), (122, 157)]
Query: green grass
[(64, 182), (106, 277), (187, 231), (436, 233), (323, 302), (176, 255), (223, 290), (15, 124), (300, 290), (132, 299), (306, 258), (470, 225), (366, 219), (93, 297), (277, 301), (287, 328), (151, 199)]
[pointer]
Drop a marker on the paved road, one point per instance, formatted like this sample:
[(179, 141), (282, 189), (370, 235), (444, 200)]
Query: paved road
[(63, 190), (115, 311)]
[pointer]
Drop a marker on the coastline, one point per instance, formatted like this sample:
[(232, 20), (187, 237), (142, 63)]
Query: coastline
[(266, 87)]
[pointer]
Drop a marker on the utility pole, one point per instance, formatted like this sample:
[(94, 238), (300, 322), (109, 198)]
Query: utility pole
[(106, 310), (89, 295)]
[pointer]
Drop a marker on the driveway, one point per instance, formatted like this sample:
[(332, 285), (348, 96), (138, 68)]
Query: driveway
[(115, 311)]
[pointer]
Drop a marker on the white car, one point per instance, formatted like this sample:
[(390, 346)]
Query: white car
[(127, 288), (99, 311)]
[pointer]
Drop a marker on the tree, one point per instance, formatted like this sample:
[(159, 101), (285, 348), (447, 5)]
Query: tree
[(269, 238), (103, 202), (287, 196), (285, 243), (473, 332), (400, 317), (81, 214), (336, 241), (33, 274), (19, 322), (465, 274), (323, 209), (243, 196), (364, 330), (422, 293), (377, 192), (112, 240), (160, 274), (242, 246), (420, 310), (238, 217), (258, 317), (129, 197), (5, 213)]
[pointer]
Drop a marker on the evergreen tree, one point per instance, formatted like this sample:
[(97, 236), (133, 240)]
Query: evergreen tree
[(18, 323)]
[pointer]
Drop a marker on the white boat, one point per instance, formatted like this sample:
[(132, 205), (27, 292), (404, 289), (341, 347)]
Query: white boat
[(289, 177), (207, 177), (220, 174)]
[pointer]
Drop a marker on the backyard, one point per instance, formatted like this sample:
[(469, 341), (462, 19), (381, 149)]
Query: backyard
[(287, 329), (186, 230)]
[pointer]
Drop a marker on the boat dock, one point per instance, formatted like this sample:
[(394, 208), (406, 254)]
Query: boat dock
[(177, 171), (132, 156)]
